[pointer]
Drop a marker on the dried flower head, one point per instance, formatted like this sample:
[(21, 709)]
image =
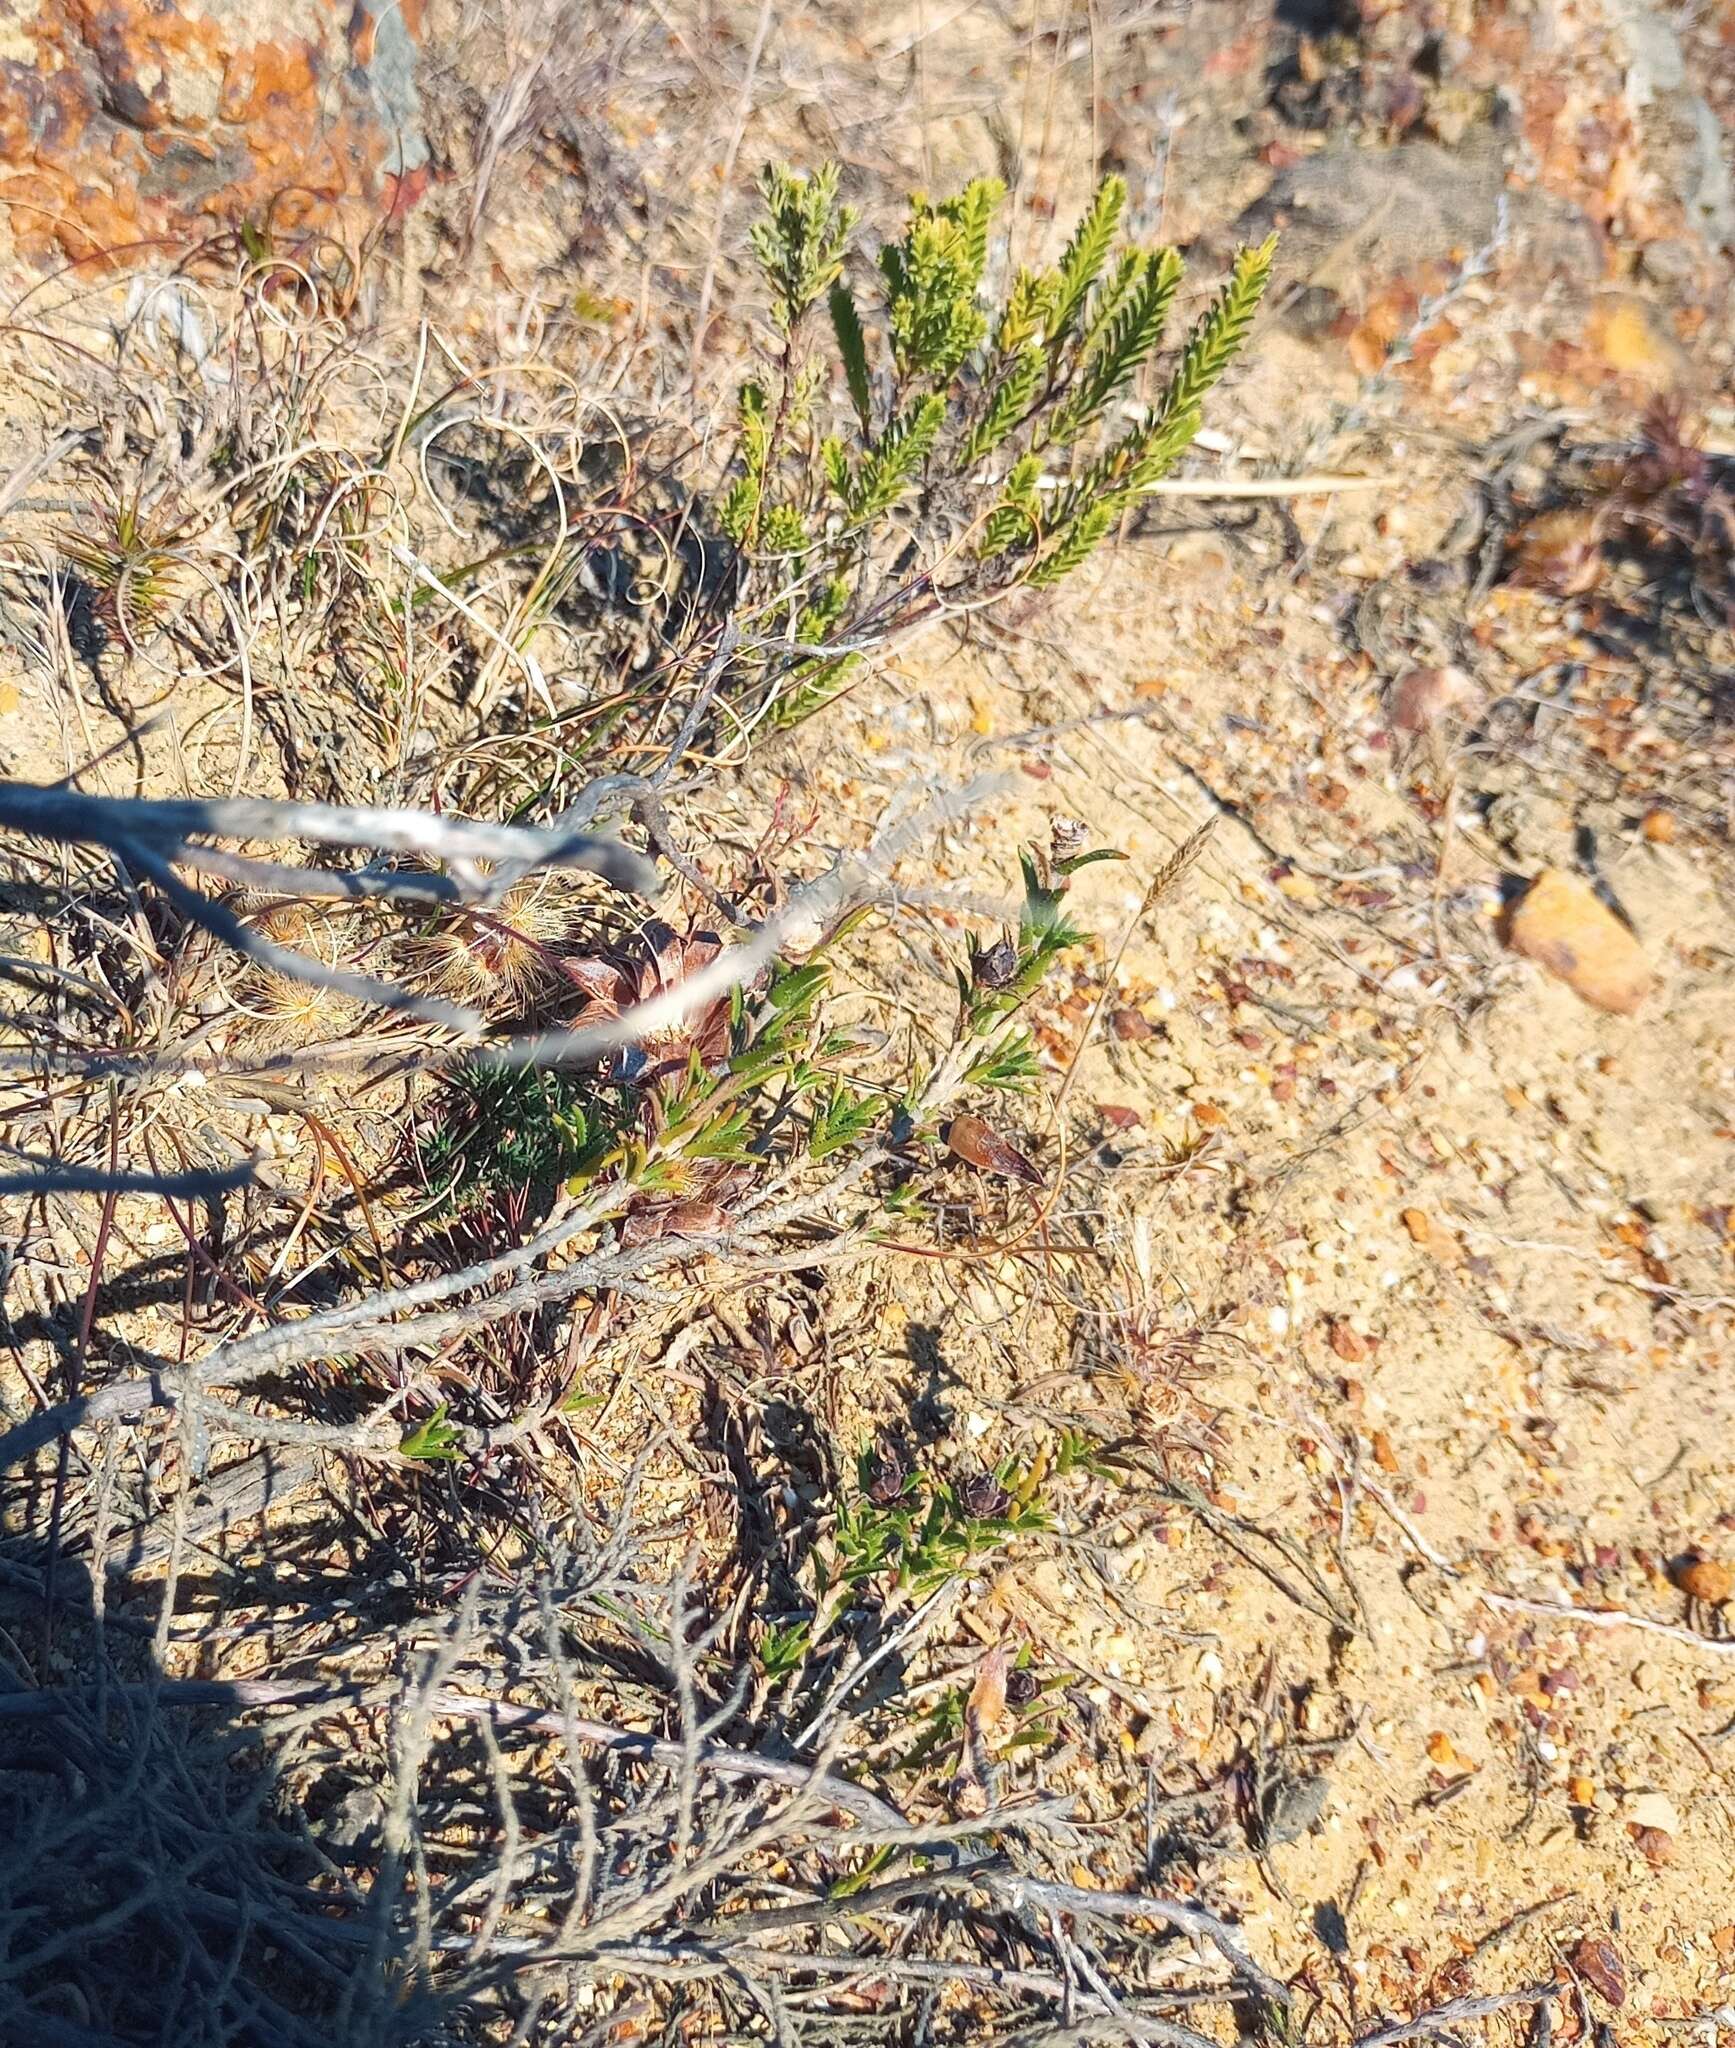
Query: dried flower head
[(995, 965), (277, 1009), (888, 1473), (667, 960), (1067, 838), (501, 960)]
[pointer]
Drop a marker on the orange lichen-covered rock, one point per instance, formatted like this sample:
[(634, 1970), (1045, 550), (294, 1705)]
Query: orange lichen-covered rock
[(129, 122)]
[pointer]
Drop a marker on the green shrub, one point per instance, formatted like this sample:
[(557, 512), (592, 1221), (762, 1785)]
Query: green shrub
[(987, 444)]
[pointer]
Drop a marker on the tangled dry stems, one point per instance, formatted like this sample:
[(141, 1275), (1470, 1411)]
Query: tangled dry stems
[(569, 1805), (418, 1857), (511, 1779)]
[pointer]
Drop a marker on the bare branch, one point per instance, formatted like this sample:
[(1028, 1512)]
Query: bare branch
[(1607, 1617), (50, 1178), (1452, 2013), (851, 881), (68, 816), (353, 885), (1184, 1918)]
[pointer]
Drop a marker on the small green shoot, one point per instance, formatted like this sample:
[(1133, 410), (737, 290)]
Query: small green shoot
[(783, 1649), (1012, 409), (435, 1441)]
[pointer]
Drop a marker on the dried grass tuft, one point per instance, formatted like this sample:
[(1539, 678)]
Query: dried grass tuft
[(504, 962), (277, 1010)]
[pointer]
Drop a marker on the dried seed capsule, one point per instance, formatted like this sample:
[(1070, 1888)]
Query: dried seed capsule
[(984, 1497), (978, 1144), (995, 966)]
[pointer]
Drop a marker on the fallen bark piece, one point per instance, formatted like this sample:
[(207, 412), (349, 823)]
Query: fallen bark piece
[(1564, 925), (1598, 1962)]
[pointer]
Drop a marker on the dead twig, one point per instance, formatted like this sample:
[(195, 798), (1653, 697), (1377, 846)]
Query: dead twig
[(1184, 1918), (501, 1715), (1453, 2012), (1607, 1617), (48, 1177), (166, 825)]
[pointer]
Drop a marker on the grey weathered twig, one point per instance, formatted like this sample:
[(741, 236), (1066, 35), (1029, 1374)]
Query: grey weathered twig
[(392, 1322), (48, 1177), (715, 1758), (1175, 1913), (166, 825), (1607, 1617), (1452, 2013), (151, 835), (716, 1959), (647, 1826), (851, 881)]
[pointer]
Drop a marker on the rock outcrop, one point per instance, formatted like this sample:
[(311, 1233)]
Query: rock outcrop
[(129, 122)]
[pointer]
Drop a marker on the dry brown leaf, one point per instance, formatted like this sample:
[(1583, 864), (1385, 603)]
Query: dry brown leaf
[(987, 1707), (978, 1144)]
